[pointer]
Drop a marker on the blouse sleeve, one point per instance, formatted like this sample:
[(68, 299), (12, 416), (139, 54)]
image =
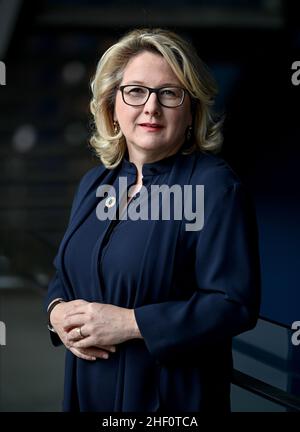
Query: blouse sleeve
[(55, 287), (227, 292)]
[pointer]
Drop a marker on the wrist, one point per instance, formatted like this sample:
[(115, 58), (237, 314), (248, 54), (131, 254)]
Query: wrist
[(51, 306), (134, 331)]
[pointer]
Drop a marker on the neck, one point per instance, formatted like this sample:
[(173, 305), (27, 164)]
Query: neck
[(140, 157)]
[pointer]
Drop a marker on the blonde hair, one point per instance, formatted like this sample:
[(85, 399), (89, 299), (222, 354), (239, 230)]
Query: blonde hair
[(110, 145)]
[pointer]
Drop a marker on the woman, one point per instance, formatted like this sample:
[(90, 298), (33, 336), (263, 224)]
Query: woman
[(147, 306)]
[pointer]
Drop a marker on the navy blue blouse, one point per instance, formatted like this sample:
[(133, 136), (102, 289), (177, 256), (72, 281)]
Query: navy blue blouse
[(192, 291)]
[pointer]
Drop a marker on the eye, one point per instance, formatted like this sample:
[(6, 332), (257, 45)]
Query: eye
[(135, 91), (169, 92)]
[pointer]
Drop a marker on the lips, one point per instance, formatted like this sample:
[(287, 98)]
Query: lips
[(152, 125)]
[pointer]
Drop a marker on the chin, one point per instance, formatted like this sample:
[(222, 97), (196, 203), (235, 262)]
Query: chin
[(151, 145)]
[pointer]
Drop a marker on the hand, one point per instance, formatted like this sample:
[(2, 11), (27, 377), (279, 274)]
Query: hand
[(100, 324), (57, 320)]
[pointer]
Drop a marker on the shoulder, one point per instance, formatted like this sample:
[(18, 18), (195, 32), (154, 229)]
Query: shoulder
[(223, 188), (213, 172), (90, 177), (88, 182)]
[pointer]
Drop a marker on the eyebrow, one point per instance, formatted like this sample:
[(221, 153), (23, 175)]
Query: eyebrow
[(161, 85)]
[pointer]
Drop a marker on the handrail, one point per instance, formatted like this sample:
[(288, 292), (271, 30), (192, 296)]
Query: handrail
[(266, 391), (272, 321)]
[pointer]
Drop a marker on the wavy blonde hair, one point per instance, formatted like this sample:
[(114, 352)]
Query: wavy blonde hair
[(110, 146)]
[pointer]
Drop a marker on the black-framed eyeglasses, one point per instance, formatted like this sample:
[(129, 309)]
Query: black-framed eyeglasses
[(137, 95)]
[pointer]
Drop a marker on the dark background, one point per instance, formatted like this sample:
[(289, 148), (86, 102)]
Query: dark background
[(51, 49)]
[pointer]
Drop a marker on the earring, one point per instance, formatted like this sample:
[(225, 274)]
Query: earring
[(189, 133), (116, 127)]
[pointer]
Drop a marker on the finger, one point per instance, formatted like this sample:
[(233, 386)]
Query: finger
[(95, 352), (85, 343), (110, 348), (81, 355), (74, 305), (73, 322), (72, 313), (72, 319), (75, 334)]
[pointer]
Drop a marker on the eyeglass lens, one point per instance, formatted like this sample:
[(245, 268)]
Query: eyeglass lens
[(138, 95)]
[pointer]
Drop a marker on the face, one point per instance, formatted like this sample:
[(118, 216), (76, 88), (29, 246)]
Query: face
[(170, 124)]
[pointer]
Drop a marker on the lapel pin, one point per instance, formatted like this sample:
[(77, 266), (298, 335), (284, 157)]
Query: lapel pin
[(110, 201)]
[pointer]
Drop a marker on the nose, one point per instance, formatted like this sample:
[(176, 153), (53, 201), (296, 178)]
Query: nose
[(152, 106)]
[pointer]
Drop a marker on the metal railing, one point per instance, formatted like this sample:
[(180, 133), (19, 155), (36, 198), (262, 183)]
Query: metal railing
[(266, 391)]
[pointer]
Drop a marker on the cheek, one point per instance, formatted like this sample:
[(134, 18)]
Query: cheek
[(125, 116), (179, 122), (186, 114), (118, 108), (126, 120)]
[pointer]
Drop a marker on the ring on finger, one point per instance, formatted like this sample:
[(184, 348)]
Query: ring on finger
[(78, 329)]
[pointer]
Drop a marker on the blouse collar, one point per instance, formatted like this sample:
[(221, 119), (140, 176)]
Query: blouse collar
[(152, 168)]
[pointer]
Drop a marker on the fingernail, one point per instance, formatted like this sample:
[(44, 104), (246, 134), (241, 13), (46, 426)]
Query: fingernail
[(105, 356)]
